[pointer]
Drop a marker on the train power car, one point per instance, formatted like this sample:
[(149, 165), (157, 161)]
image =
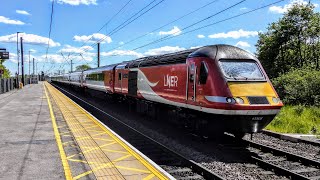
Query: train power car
[(224, 87)]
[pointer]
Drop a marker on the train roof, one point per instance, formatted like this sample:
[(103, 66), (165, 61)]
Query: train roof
[(171, 58), (219, 51), (222, 51), (100, 69)]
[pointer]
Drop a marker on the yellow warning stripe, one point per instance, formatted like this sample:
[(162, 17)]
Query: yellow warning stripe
[(124, 145), (63, 156)]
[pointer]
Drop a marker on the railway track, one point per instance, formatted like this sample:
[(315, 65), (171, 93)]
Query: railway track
[(314, 142), (172, 162), (282, 162)]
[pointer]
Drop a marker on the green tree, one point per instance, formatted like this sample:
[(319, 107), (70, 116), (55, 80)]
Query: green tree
[(82, 67), (291, 42), (6, 71)]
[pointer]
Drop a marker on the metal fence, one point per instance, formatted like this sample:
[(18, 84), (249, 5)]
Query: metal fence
[(8, 84)]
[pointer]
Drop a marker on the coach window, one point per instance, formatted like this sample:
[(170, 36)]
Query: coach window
[(203, 73)]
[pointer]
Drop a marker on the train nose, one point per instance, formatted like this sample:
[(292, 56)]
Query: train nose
[(254, 93)]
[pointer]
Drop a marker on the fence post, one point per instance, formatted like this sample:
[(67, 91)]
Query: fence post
[(5, 85), (0, 86), (10, 84)]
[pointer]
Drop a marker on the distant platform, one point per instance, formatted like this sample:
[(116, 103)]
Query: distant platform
[(45, 135)]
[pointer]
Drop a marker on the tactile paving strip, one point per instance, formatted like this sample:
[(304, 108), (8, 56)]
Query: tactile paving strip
[(107, 156)]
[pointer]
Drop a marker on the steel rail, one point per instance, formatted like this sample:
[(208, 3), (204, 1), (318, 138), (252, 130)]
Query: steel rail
[(290, 138), (196, 167), (289, 157)]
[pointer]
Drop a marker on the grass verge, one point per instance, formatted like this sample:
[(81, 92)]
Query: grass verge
[(297, 119)]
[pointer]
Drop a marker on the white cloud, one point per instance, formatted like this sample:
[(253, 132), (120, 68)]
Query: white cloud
[(121, 53), (23, 12), (121, 43), (175, 31), (243, 44), (200, 36), (150, 52), (6, 20), (78, 2), (71, 49), (195, 47), (52, 58), (58, 58), (29, 39), (285, 8), (93, 38), (163, 50), (32, 50), (13, 58), (243, 8), (235, 34)]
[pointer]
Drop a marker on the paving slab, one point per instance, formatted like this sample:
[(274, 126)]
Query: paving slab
[(28, 147)]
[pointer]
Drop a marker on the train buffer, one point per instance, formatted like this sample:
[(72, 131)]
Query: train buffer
[(45, 135)]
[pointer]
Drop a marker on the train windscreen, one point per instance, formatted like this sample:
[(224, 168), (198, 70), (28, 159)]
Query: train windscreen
[(241, 70)]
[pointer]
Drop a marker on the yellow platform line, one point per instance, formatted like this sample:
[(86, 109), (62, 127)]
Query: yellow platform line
[(136, 155), (63, 156), (73, 113)]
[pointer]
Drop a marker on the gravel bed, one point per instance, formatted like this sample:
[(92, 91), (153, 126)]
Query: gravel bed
[(302, 149), (180, 173), (311, 174), (289, 165), (230, 165)]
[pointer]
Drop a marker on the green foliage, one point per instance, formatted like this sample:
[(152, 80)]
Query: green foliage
[(291, 42), (297, 119), (299, 86), (290, 53), (82, 67), (6, 71)]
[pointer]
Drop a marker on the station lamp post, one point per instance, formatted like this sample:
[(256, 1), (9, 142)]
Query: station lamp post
[(18, 54)]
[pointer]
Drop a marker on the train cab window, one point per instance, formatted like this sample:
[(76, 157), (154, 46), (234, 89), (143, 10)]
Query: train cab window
[(203, 73), (241, 69), (120, 76)]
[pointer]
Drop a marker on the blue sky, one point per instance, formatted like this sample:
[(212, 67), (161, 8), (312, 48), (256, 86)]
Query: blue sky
[(76, 24)]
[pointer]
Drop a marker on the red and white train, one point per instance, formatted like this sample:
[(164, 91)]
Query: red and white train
[(223, 86)]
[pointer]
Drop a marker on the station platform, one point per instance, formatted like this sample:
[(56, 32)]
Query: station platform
[(28, 147), (45, 135)]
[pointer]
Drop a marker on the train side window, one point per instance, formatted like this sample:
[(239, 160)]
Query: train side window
[(191, 76), (203, 73), (101, 77), (120, 76)]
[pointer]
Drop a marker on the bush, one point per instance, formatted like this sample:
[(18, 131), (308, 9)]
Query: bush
[(299, 86), (297, 119)]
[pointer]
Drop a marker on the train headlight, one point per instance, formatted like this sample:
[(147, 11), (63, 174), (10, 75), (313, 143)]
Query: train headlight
[(276, 100), (230, 100), (239, 100)]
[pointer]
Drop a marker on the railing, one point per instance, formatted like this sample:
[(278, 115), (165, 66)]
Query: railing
[(9, 84)]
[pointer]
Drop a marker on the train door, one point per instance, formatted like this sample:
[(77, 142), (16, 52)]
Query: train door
[(120, 80), (191, 84), (132, 83)]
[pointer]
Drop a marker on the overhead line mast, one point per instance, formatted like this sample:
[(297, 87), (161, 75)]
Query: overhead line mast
[(114, 30), (50, 28), (202, 20), (105, 24)]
